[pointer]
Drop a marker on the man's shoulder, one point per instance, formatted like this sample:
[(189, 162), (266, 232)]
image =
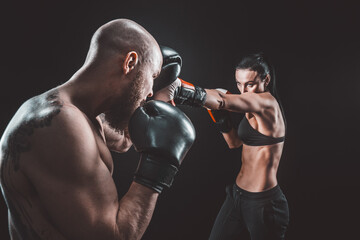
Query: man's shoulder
[(62, 135), (46, 111), (46, 131), (45, 120), (61, 120)]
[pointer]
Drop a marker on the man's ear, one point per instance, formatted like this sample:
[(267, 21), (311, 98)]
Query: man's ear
[(267, 80), (130, 61)]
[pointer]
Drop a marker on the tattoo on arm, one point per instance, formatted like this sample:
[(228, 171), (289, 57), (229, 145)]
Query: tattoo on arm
[(221, 100)]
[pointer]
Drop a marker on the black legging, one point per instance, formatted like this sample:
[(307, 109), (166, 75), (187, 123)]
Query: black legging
[(249, 215)]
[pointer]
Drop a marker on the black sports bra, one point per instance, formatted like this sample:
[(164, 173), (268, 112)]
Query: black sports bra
[(251, 137)]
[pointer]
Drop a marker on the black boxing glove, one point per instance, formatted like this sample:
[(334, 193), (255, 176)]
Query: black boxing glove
[(162, 134), (183, 93), (188, 94), (169, 88), (170, 70), (221, 118)]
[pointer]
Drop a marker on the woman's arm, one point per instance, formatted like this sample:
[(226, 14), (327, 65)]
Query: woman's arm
[(232, 139), (246, 102)]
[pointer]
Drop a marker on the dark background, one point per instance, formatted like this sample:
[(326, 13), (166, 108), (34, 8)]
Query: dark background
[(314, 47)]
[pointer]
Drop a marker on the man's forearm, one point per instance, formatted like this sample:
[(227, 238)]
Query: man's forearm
[(118, 141), (135, 211)]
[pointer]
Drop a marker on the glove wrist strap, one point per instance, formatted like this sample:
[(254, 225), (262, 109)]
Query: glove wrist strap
[(154, 172), (194, 96)]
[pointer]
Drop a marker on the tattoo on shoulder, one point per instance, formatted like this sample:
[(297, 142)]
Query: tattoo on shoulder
[(18, 141), (37, 113)]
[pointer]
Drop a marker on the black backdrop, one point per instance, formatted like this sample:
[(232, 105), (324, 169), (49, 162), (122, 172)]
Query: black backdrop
[(314, 47)]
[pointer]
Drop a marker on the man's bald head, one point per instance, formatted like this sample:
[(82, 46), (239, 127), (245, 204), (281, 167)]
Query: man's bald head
[(118, 37), (121, 65)]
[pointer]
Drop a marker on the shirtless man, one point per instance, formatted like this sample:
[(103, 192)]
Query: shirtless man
[(55, 162)]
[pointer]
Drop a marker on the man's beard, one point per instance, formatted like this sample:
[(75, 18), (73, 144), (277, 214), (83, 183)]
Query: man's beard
[(119, 114)]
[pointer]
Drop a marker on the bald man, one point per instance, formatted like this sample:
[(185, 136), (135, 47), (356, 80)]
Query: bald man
[(56, 166)]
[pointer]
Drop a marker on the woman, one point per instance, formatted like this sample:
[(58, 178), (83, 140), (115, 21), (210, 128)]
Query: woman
[(255, 205)]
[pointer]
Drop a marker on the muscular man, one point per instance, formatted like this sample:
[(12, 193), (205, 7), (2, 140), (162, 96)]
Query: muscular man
[(55, 160)]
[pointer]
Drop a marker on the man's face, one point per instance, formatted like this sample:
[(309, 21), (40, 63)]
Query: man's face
[(135, 95), (122, 108)]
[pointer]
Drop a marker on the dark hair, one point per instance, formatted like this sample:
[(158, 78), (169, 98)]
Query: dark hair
[(259, 63)]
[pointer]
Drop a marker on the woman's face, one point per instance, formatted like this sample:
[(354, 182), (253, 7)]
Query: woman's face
[(250, 81)]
